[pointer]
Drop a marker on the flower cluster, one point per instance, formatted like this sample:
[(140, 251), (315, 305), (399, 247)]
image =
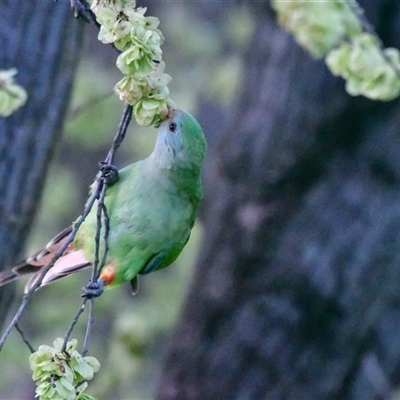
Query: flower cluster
[(12, 96), (61, 375), (334, 30), (138, 37), (317, 26), (368, 70)]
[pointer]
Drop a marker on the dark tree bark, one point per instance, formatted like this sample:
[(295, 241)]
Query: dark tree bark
[(296, 290), (42, 40)]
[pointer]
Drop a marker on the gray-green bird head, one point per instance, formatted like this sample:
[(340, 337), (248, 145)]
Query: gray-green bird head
[(180, 142)]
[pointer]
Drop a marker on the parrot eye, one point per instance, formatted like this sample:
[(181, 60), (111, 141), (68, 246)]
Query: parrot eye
[(172, 126)]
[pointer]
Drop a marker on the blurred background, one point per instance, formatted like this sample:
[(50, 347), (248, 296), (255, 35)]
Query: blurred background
[(288, 288)]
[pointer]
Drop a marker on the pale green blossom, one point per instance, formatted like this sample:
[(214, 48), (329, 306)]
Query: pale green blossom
[(368, 70), (144, 85), (152, 110), (333, 29), (143, 54), (135, 60), (158, 79), (59, 375), (115, 25), (317, 26), (131, 89)]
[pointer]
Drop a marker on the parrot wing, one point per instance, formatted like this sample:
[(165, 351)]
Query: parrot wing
[(67, 264), (45, 255), (71, 261)]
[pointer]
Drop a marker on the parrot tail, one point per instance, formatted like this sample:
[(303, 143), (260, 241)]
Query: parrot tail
[(73, 260)]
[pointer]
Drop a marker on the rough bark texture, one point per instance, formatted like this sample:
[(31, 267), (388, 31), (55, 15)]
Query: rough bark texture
[(42, 40), (296, 291)]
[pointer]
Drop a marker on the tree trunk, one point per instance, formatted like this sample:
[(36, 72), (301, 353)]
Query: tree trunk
[(42, 40), (296, 290)]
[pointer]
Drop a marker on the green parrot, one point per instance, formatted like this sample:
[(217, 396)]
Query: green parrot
[(151, 210)]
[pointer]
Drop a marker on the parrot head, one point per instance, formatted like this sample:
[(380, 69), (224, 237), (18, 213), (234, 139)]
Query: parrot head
[(181, 142)]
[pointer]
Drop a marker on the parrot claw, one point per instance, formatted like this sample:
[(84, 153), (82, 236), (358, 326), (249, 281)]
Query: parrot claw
[(109, 173), (93, 289)]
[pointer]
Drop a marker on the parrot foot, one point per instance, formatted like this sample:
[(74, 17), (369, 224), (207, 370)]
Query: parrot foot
[(93, 289), (81, 9), (109, 173)]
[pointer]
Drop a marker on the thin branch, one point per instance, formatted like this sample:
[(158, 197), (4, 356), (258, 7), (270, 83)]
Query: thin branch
[(102, 218), (106, 223), (118, 138), (72, 326), (81, 9), (21, 332), (120, 135), (89, 325), (101, 209), (14, 321), (97, 239)]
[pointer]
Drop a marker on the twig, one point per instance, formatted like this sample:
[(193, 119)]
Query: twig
[(89, 325), (102, 218), (21, 332), (101, 209), (72, 326), (81, 8), (106, 233), (100, 205), (120, 135), (14, 321), (367, 27)]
